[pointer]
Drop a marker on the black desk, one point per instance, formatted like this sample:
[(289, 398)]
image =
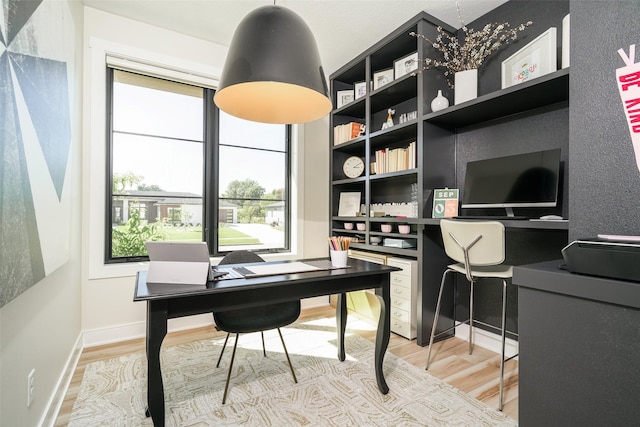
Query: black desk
[(579, 346), (166, 301)]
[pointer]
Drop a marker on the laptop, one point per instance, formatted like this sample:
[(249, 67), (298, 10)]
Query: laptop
[(178, 263)]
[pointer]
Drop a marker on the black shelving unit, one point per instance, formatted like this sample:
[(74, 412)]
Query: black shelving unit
[(404, 94), (435, 136)]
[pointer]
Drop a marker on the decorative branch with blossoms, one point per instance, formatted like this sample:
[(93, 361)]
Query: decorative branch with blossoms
[(478, 45)]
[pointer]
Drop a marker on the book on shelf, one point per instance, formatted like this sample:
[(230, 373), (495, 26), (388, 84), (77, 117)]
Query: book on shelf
[(347, 132), (394, 159)]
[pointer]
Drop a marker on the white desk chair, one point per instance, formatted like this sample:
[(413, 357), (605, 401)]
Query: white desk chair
[(479, 249)]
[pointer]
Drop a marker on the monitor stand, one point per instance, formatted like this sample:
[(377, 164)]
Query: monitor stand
[(509, 216)]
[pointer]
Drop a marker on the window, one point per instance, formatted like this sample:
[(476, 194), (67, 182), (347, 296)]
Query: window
[(253, 185), (181, 170)]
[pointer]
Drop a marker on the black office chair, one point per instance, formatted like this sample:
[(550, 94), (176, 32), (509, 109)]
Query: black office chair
[(254, 319)]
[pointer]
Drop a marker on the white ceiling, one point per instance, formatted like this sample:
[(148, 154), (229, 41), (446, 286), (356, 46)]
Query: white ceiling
[(343, 28)]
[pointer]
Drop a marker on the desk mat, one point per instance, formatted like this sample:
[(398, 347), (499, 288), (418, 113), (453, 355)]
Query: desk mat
[(274, 269)]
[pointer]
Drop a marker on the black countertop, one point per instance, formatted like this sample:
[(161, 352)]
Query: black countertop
[(549, 277)]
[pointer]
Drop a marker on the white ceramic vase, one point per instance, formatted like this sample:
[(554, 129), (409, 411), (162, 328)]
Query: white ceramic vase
[(466, 86), (439, 102)]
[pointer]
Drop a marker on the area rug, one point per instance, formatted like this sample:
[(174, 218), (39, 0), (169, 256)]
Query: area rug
[(262, 391)]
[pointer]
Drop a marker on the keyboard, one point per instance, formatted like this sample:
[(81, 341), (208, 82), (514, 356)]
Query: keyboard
[(493, 217)]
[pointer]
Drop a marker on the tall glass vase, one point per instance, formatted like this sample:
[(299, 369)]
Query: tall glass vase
[(466, 85)]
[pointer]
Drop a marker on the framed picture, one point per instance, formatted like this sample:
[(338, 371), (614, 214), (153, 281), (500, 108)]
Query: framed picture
[(349, 204), (344, 97), (361, 89), (534, 60), (406, 65), (382, 78)]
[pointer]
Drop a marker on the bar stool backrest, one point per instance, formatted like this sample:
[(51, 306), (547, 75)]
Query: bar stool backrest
[(482, 241)]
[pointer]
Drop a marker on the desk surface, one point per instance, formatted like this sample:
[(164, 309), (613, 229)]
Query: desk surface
[(511, 223), (549, 277), (156, 291)]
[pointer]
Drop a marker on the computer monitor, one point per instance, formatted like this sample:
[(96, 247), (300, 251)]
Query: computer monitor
[(522, 180)]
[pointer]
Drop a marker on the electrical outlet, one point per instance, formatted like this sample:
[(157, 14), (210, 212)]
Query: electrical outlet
[(31, 386)]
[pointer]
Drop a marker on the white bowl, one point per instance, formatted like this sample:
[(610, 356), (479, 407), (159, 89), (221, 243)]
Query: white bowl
[(375, 240), (361, 226), (386, 228), (404, 229), (348, 226)]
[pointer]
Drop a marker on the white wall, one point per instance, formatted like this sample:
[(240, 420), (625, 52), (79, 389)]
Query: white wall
[(39, 329), (315, 174), (108, 312)]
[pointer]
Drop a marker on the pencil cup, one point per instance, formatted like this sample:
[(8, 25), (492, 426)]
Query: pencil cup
[(339, 258)]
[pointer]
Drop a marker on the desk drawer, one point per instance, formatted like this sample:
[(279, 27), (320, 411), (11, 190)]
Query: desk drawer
[(400, 280), (401, 303), (400, 292), (401, 328), (404, 290), (407, 266), (401, 315)]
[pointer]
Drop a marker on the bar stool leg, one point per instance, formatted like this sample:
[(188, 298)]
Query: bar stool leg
[(504, 326), (471, 317), (435, 319)]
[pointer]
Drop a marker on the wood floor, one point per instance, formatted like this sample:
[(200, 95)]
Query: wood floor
[(476, 375)]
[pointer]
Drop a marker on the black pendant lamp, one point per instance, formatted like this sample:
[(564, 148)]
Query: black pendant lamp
[(273, 73)]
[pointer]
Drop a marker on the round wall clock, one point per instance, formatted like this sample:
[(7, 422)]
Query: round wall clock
[(353, 167)]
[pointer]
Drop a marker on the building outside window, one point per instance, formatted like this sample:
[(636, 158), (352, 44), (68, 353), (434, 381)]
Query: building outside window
[(181, 170)]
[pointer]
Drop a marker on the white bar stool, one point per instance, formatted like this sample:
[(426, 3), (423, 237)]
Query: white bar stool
[(479, 249)]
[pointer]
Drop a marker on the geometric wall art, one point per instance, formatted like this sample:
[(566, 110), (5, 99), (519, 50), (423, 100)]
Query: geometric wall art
[(36, 84)]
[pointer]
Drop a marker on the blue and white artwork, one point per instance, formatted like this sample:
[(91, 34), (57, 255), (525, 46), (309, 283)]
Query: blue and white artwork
[(36, 84)]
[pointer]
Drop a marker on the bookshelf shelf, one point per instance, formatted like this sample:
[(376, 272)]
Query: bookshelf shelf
[(546, 90)]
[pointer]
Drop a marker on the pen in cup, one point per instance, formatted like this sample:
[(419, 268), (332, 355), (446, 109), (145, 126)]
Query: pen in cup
[(339, 243), (339, 250)]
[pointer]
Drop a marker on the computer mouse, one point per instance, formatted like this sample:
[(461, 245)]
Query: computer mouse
[(551, 217)]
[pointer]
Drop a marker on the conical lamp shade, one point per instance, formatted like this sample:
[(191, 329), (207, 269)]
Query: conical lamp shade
[(273, 73)]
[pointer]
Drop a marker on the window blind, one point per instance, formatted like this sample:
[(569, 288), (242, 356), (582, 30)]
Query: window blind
[(161, 71)]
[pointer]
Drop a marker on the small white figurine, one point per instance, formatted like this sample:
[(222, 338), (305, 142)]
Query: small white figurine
[(389, 122)]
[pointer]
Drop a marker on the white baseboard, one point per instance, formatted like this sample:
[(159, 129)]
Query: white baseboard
[(488, 340), (130, 331), (60, 390)]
